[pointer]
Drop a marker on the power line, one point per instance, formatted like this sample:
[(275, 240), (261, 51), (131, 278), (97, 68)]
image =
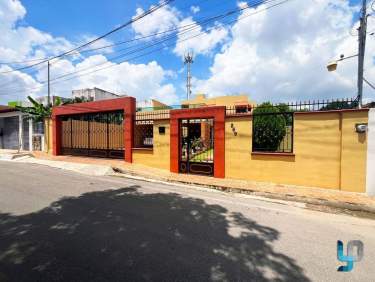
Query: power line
[(56, 80), (144, 54), (183, 30), (103, 47), (369, 83), (133, 20), (122, 42)]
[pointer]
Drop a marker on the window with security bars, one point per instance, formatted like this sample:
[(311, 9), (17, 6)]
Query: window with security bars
[(272, 131), (144, 134)]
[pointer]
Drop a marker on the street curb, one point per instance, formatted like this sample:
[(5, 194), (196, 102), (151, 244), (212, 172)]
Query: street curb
[(86, 169), (343, 207)]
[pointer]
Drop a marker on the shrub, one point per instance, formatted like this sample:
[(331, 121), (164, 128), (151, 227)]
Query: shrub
[(268, 129)]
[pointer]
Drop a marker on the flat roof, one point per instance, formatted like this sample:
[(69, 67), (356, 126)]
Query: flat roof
[(7, 109)]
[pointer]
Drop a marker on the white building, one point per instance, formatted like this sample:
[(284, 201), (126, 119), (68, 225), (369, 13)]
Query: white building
[(94, 94)]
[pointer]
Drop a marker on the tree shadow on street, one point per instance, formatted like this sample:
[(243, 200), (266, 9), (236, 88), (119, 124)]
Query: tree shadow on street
[(123, 234)]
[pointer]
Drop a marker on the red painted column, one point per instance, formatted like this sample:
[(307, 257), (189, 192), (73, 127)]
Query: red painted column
[(129, 112), (174, 145), (56, 135)]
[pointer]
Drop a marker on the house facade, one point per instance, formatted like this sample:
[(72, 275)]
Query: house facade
[(321, 148)]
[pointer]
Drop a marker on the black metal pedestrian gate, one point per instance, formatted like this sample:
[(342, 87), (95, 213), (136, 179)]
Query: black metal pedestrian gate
[(197, 146), (96, 135)]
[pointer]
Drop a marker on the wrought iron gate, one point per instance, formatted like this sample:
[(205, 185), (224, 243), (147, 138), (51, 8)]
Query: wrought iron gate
[(96, 135), (197, 146)]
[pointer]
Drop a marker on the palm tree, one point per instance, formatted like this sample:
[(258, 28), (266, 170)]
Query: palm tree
[(38, 111)]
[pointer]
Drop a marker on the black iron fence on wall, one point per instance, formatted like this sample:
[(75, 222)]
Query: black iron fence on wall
[(144, 126), (273, 124)]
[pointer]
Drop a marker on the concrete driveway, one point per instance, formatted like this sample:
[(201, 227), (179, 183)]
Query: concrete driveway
[(62, 226)]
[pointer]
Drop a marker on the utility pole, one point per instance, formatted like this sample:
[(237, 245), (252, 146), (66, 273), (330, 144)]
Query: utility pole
[(48, 87), (362, 32), (188, 61), (48, 103)]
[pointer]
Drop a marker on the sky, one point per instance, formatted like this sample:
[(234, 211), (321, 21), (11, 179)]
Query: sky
[(271, 50)]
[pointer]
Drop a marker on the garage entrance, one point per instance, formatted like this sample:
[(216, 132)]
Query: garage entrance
[(93, 134)]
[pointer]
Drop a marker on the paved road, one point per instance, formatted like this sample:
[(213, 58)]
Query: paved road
[(62, 226)]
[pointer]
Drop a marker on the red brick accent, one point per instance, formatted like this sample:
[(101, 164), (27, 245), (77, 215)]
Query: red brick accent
[(127, 104), (218, 114)]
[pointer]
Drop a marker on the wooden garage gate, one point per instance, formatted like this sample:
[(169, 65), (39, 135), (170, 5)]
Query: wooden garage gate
[(96, 134)]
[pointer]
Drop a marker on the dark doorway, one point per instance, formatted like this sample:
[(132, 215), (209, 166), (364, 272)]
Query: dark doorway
[(197, 146), (9, 133)]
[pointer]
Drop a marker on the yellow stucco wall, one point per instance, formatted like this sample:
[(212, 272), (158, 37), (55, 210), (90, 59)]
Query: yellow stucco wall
[(48, 142), (159, 157), (318, 159), (354, 153)]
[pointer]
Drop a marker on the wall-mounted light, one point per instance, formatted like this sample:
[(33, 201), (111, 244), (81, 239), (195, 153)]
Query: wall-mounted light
[(361, 127)]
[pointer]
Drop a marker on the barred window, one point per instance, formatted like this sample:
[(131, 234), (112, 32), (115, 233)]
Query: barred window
[(38, 127), (273, 130), (143, 134)]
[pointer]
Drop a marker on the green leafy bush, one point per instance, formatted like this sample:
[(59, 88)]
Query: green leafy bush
[(269, 127)]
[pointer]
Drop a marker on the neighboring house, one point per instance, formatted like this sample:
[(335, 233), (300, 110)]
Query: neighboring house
[(151, 104), (15, 129), (200, 100), (94, 94)]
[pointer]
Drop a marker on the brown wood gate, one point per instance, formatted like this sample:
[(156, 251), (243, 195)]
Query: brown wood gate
[(94, 134)]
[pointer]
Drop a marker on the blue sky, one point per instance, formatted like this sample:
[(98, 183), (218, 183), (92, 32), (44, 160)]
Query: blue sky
[(277, 54), (65, 18)]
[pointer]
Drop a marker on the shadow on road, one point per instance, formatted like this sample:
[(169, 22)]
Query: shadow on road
[(127, 235)]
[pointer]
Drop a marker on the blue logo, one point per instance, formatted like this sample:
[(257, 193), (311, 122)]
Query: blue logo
[(350, 258)]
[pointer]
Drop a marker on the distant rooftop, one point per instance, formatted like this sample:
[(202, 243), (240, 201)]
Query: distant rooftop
[(7, 109)]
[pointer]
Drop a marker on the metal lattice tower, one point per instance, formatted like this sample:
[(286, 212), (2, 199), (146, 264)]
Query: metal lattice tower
[(188, 61)]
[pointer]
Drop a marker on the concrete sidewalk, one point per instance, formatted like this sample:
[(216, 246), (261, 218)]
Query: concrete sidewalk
[(346, 201), (6, 154)]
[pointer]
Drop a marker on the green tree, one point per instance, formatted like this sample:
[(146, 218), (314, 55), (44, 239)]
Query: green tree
[(38, 111), (340, 105), (269, 126)]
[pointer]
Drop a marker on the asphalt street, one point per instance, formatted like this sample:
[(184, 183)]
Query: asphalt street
[(57, 225)]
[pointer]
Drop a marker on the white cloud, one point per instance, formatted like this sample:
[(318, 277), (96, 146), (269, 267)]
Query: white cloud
[(281, 54), (19, 43), (168, 18), (206, 42), (24, 42), (195, 9), (143, 81), (163, 19), (242, 5)]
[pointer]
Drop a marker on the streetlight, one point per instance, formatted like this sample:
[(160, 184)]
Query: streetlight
[(332, 66), (362, 32)]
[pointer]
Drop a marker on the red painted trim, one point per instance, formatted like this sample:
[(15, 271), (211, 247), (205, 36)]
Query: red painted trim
[(56, 136), (218, 114), (127, 104)]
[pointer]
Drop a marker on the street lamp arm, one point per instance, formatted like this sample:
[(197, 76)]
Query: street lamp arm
[(349, 57)]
